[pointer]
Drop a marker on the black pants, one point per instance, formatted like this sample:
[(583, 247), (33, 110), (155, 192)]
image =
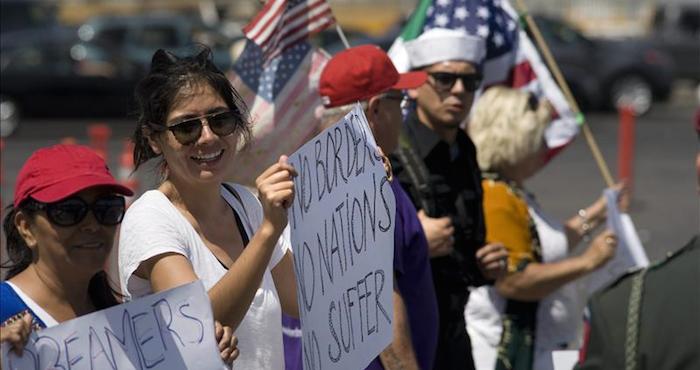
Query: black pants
[(454, 347)]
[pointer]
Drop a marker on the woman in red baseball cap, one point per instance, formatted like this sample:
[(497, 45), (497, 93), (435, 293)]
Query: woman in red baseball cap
[(64, 217), (60, 230)]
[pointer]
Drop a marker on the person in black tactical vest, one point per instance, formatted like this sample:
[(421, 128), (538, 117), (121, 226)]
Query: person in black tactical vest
[(436, 163)]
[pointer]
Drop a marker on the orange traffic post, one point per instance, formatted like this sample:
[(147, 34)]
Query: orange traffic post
[(625, 154), (99, 134), (69, 140), (125, 173)]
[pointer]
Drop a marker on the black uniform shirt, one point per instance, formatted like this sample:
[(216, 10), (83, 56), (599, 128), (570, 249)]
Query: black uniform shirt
[(455, 186)]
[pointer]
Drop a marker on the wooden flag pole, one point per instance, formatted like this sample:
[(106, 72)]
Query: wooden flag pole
[(592, 144)]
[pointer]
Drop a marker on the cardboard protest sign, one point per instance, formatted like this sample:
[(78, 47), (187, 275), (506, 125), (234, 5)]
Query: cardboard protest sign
[(342, 231), (170, 330)]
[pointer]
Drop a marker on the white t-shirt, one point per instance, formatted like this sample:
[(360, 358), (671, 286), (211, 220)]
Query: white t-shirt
[(152, 226), (559, 315)]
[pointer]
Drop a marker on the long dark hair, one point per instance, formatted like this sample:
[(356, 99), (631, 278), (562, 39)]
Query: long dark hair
[(156, 94), (20, 256)]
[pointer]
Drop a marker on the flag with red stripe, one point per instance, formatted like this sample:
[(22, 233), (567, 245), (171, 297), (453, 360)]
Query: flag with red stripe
[(511, 57), (282, 96), (282, 23)]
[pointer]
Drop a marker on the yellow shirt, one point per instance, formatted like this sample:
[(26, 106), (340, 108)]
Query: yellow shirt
[(508, 222)]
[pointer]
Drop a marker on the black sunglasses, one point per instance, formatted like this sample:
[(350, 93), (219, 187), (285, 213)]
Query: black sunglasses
[(187, 132), (108, 210), (445, 81)]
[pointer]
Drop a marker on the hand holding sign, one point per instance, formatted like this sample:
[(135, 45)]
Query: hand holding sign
[(276, 192), (16, 333)]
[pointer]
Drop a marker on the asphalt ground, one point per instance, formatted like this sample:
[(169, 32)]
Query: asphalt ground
[(665, 205)]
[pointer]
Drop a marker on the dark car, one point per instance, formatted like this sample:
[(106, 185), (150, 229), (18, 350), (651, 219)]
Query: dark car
[(676, 30), (604, 73), (135, 38), (91, 71), (43, 76)]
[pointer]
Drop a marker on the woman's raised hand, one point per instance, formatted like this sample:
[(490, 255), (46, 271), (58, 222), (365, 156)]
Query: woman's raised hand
[(17, 333), (276, 192)]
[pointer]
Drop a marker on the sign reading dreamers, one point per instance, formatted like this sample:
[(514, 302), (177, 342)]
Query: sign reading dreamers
[(342, 231), (170, 330)]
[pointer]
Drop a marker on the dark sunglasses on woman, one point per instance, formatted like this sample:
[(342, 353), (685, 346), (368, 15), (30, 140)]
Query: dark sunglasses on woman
[(187, 132), (445, 81), (108, 210)]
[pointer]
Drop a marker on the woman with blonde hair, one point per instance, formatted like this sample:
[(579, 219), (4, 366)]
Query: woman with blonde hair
[(536, 307)]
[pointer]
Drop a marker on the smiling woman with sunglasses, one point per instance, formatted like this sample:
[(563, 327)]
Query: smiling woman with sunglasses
[(64, 217), (60, 231), (197, 226)]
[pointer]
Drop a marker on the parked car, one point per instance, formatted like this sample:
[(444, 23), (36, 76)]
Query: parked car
[(136, 38), (604, 73), (91, 71), (41, 76), (676, 30)]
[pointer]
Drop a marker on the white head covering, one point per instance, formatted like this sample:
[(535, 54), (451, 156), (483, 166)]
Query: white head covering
[(440, 44)]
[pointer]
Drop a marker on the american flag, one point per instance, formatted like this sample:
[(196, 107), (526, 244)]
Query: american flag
[(511, 57), (282, 95), (282, 23)]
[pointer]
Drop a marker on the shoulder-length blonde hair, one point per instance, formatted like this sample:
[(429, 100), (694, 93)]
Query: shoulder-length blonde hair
[(506, 126)]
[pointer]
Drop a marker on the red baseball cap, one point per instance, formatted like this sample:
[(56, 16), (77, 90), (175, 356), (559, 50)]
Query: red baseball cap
[(360, 73), (57, 172)]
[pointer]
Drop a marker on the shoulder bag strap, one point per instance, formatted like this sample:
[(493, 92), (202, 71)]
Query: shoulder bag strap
[(417, 172)]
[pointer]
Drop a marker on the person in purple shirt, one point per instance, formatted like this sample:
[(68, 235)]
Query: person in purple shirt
[(365, 74)]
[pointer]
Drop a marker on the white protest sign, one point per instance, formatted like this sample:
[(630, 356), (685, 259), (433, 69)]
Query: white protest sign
[(170, 330), (342, 231), (564, 360), (629, 254)]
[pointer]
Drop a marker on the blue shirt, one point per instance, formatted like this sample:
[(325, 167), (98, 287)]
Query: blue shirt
[(12, 306)]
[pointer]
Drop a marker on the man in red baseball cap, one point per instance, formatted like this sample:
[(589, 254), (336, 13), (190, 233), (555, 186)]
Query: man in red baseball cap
[(365, 74)]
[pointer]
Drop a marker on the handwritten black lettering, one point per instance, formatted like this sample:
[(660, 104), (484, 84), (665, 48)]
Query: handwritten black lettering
[(300, 266), (312, 352), (379, 287), (323, 257), (366, 295), (322, 183), (190, 317), (95, 352), (54, 362), (23, 362), (338, 137), (142, 342), (386, 192), (160, 316), (334, 358), (125, 342), (71, 361)]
